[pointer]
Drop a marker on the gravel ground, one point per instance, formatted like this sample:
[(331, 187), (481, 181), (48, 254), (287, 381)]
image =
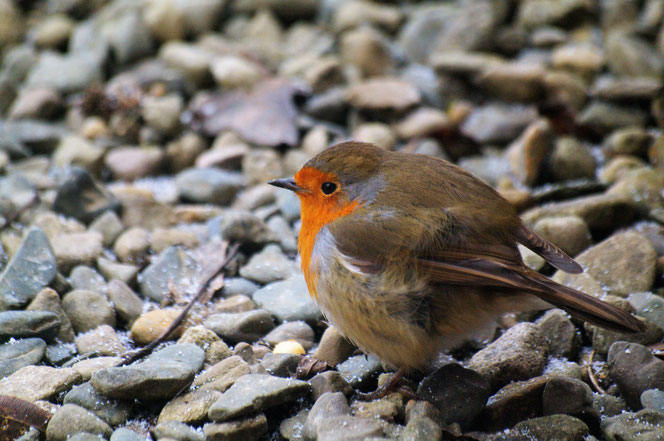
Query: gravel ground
[(136, 140)]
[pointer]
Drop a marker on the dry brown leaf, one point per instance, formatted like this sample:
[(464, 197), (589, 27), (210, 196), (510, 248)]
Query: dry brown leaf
[(18, 416)]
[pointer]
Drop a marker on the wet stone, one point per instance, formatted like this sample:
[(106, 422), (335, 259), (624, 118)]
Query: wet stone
[(280, 365), (329, 381), (241, 326), (647, 424), (560, 427), (360, 371), (88, 310), (127, 303), (236, 303), (76, 249), (71, 419), (20, 353), (174, 268), (243, 227), (297, 330), (560, 333), (26, 324), (288, 300), (328, 405), (333, 347), (49, 300), (234, 286), (102, 340), (635, 370), (254, 393), (124, 434), (113, 412), (125, 272), (269, 265), (191, 407), (250, 429), (32, 268), (69, 198), (348, 428), (32, 383), (84, 277), (653, 399), (152, 324), (214, 347), (176, 430), (223, 374), (209, 185)]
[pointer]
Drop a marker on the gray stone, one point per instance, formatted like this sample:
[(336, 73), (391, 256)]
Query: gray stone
[(255, 393), (297, 330), (70, 419), (26, 324), (251, 428), (176, 430), (84, 277), (113, 412), (209, 185), (269, 265), (518, 354), (88, 310), (559, 427), (190, 407), (20, 353), (648, 305), (222, 375), (234, 286), (329, 381), (127, 303), (569, 233), (133, 245), (109, 225), (66, 73), (70, 200), (628, 141), (185, 353), (631, 56), (560, 333), (124, 434), (348, 428), (653, 399), (280, 365), (602, 338), (49, 300), (605, 117), (513, 403), (173, 269), (645, 425), (292, 428), (635, 370), (73, 249), (243, 227), (360, 371), (568, 396), (572, 160), (333, 347), (32, 383), (214, 347), (60, 353), (458, 393), (288, 300), (84, 436), (241, 326), (32, 268), (124, 272), (103, 340), (497, 123), (328, 405)]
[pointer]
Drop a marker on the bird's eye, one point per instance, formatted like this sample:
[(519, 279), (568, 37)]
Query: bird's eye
[(328, 187)]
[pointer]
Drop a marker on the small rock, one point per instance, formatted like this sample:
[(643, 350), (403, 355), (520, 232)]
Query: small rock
[(130, 163), (560, 427), (31, 269), (172, 272), (333, 347), (626, 88), (127, 303), (653, 399), (292, 428), (87, 310), (236, 303), (528, 154), (514, 403), (40, 103), (71, 419), (267, 266), (191, 407), (568, 396), (569, 233), (648, 305), (459, 394), (66, 73), (26, 324), (280, 365), (49, 300), (88, 367), (328, 405), (32, 383), (628, 141), (366, 49), (255, 393), (518, 354), (241, 326), (383, 93), (560, 334), (329, 381), (231, 71), (17, 354), (215, 349), (497, 123), (360, 371), (261, 165), (102, 340), (376, 133), (634, 369), (422, 122), (646, 424), (132, 245), (109, 225), (605, 117), (209, 185), (298, 331), (251, 428), (84, 277), (176, 430), (152, 324), (222, 375), (69, 199), (112, 412), (348, 428), (288, 300), (76, 249), (572, 160), (124, 434), (192, 60), (514, 81), (631, 56), (163, 114), (162, 238), (243, 227)]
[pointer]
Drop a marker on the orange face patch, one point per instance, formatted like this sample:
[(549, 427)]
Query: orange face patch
[(317, 210)]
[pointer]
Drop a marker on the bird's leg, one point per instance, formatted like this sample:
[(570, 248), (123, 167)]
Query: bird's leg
[(390, 385)]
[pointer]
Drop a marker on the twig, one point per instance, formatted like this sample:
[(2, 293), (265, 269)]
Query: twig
[(591, 375), (133, 356)]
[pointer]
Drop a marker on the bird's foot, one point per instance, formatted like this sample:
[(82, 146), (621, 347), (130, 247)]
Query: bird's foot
[(391, 385)]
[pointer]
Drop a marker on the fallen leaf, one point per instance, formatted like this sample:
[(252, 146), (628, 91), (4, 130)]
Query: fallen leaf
[(265, 116), (18, 416), (308, 367)]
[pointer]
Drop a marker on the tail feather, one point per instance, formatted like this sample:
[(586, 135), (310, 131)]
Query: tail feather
[(586, 307), (554, 255)]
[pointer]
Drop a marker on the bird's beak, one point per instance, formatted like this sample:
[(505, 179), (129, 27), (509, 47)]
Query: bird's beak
[(287, 183)]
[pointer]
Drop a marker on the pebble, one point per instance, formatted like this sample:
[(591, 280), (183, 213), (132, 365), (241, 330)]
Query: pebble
[(113, 412), (76, 249), (124, 434), (329, 381), (528, 154), (360, 371), (376, 133), (333, 347), (231, 71), (174, 271), (255, 393), (513, 403), (88, 367), (102, 340), (31, 268), (634, 369), (261, 165), (328, 405), (209, 185), (348, 428), (569, 233), (26, 324), (49, 300), (128, 305), (162, 114), (653, 399), (223, 374), (280, 365), (560, 427), (572, 160), (17, 354), (560, 333), (132, 245), (518, 354), (243, 227), (238, 327), (269, 265), (288, 300), (176, 430), (383, 93), (497, 123), (251, 428), (70, 419), (568, 396), (236, 303), (298, 331), (97, 201), (647, 424), (191, 407), (130, 163), (65, 73), (458, 393), (32, 383), (149, 326), (215, 349), (87, 310), (366, 49)]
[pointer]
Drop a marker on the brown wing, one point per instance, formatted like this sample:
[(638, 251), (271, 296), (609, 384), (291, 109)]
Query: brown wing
[(554, 255)]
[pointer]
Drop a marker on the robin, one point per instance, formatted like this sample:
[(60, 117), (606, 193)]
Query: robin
[(408, 255)]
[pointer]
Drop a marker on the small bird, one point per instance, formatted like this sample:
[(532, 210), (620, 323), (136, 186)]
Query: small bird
[(408, 255)]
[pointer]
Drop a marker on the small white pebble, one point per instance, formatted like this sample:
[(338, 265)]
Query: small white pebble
[(289, 347)]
